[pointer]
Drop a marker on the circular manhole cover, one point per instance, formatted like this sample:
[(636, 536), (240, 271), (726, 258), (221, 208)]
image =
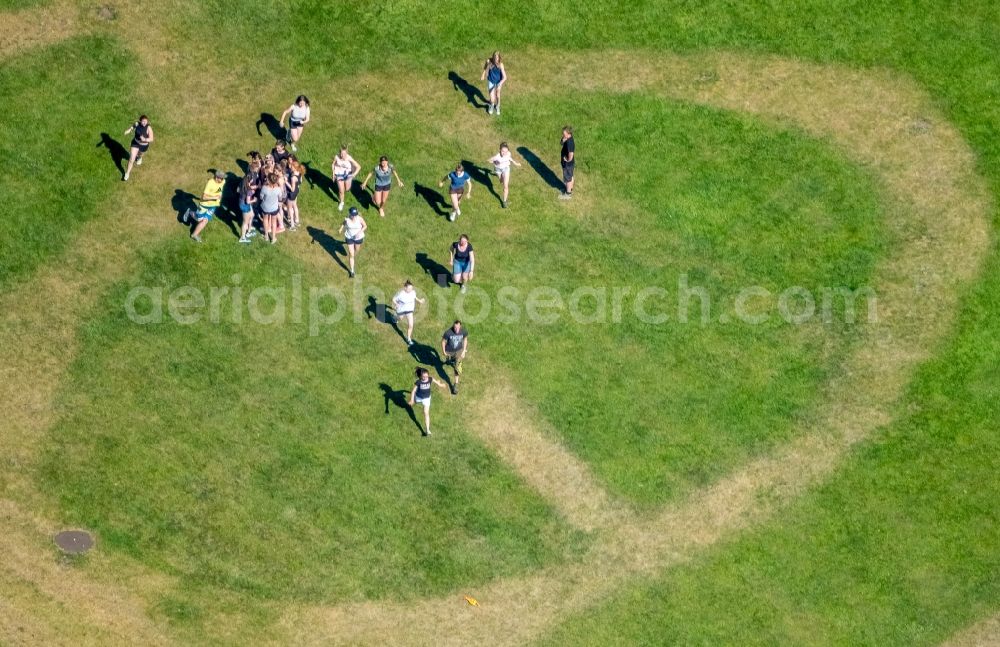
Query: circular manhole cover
[(74, 541)]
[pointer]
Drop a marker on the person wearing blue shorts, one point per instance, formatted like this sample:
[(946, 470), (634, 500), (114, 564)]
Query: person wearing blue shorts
[(211, 198), (248, 198), (460, 188), (495, 75), (463, 261), (344, 171)]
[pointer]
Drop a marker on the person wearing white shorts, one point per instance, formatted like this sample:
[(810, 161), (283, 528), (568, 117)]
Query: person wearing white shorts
[(421, 394), (501, 166), (405, 302)]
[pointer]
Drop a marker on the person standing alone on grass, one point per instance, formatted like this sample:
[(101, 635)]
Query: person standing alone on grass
[(495, 76), (460, 184), (568, 161), (405, 302), (142, 137), (421, 393), (354, 229), (454, 345), (501, 166), (211, 198), (463, 261), (299, 113)]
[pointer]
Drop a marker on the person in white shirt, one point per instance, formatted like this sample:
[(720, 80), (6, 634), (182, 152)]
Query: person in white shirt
[(299, 113), (405, 302), (344, 170), (501, 166), (354, 229)]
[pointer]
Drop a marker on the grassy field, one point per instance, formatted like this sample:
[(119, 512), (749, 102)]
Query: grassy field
[(247, 469)]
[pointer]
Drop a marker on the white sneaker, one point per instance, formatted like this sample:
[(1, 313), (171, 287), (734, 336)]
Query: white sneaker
[(452, 217), (341, 207), (125, 178), (462, 289), (138, 161), (497, 111), (489, 110), (294, 148), (196, 239)]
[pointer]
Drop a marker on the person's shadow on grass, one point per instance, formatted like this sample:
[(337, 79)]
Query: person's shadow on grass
[(547, 174), (433, 199), (330, 245), (117, 151), (482, 176), (364, 198), (472, 94), (380, 312), (182, 202), (316, 178), (428, 356), (435, 270), (400, 398), (274, 127)]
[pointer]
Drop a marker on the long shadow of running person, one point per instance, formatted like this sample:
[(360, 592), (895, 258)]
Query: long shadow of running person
[(547, 174), (274, 127), (380, 312), (401, 399), (182, 202), (472, 94), (117, 151), (481, 175), (434, 199), (428, 355), (316, 178), (330, 245), (437, 271)]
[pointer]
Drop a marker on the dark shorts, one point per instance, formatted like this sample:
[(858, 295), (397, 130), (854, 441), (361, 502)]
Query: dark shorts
[(292, 196), (458, 191), (355, 241), (267, 214), (292, 124), (567, 170), (142, 147), (383, 187)]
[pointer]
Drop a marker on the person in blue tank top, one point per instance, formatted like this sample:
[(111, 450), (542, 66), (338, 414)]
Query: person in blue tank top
[(460, 188), (495, 75), (421, 393)]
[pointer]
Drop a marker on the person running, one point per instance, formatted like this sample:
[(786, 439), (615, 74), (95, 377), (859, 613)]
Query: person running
[(495, 76), (405, 302), (295, 172), (421, 394), (299, 117), (248, 198), (142, 137), (345, 169), (354, 229), (211, 198), (270, 206), (383, 172), (460, 188), (454, 345), (567, 159), (501, 166), (463, 261), (280, 152)]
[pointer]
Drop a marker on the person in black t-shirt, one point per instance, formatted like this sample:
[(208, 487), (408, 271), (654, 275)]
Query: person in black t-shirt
[(422, 393), (454, 345), (279, 152), (567, 159), (463, 261)]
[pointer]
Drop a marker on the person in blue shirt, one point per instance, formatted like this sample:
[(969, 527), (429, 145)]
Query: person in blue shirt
[(461, 189), (495, 76)]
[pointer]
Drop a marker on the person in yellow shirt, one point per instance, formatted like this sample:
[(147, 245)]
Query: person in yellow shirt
[(211, 198)]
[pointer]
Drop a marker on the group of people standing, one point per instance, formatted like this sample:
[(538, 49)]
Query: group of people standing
[(268, 203)]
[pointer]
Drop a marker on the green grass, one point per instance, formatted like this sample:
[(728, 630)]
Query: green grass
[(58, 102), (263, 460), (161, 449), (898, 549)]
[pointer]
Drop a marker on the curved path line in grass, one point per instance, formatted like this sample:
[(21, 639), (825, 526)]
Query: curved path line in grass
[(939, 218), (985, 633), (878, 117)]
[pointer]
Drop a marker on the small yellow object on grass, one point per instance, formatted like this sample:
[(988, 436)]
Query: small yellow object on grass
[(473, 601)]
